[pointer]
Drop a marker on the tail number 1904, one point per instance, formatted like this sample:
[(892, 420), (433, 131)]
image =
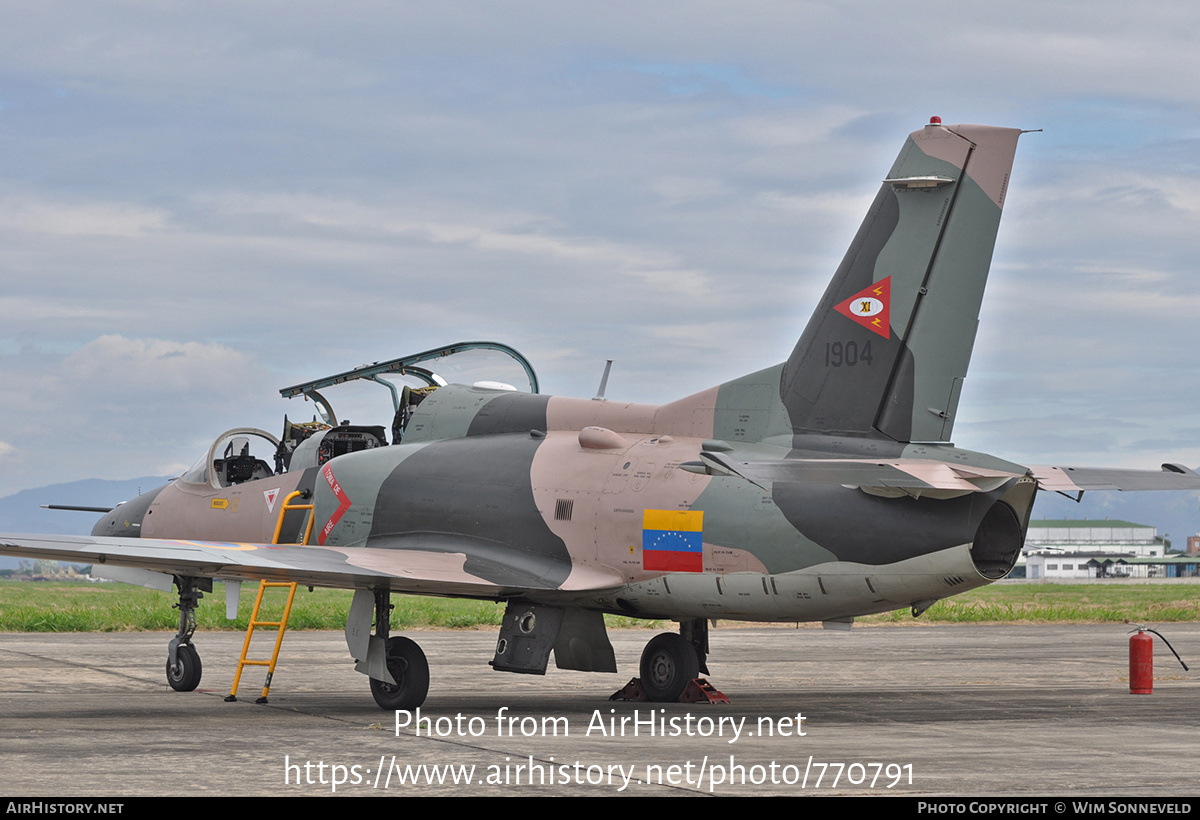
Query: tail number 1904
[(849, 354)]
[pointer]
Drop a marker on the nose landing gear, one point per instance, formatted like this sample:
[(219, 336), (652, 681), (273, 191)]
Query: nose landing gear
[(183, 661)]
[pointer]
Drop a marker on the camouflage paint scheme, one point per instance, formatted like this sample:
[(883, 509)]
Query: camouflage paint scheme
[(823, 488)]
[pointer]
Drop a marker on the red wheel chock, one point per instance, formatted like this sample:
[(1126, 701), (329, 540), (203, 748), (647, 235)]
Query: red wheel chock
[(698, 690)]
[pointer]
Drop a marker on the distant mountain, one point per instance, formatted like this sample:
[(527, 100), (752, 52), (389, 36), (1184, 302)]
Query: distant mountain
[(22, 512)]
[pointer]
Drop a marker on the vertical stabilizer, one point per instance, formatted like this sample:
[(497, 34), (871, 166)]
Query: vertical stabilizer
[(887, 348)]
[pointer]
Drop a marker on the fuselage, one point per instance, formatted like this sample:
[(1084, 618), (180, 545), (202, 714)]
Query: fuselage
[(544, 495)]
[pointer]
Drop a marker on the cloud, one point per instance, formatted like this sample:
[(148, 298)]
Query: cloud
[(83, 219), (125, 369), (198, 208), (118, 406)]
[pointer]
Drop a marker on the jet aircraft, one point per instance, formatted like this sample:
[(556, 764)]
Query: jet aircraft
[(820, 489)]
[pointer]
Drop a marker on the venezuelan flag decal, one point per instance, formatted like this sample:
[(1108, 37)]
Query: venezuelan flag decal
[(673, 540)]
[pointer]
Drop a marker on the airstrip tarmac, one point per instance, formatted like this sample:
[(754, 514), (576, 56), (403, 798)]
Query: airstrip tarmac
[(955, 709)]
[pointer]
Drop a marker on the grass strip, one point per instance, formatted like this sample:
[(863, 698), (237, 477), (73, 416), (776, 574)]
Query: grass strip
[(28, 606), (52, 606)]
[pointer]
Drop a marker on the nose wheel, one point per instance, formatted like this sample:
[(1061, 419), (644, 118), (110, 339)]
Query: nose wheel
[(184, 675)]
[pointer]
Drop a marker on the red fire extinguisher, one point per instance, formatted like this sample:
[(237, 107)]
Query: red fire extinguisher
[(1141, 661), (1141, 664)]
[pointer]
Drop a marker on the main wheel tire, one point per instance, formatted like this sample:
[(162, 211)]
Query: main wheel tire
[(407, 664), (186, 675), (668, 664)]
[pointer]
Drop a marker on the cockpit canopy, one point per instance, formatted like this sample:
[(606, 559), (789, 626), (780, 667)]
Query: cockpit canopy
[(236, 456), (248, 453)]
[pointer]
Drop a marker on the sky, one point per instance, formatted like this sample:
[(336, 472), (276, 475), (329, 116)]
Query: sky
[(203, 203)]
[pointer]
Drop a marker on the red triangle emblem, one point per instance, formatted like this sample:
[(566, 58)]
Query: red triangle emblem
[(871, 307)]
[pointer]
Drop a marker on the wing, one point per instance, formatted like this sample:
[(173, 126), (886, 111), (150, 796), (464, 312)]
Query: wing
[(446, 570)]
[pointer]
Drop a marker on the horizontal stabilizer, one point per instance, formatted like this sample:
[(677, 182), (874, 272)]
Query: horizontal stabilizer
[(900, 473), (1078, 479), (925, 474)]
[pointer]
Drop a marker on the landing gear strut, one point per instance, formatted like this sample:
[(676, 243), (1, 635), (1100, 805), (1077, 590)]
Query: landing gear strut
[(183, 661), (406, 663)]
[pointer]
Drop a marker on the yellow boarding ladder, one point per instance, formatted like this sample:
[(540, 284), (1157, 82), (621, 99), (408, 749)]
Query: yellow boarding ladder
[(263, 586)]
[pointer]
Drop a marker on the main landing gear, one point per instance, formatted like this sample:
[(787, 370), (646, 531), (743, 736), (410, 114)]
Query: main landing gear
[(671, 661), (406, 663), (183, 661), (668, 664)]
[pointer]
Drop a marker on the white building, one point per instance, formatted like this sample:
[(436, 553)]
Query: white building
[(1083, 548)]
